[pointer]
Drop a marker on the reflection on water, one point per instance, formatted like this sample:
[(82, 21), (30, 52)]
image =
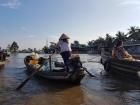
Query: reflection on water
[(103, 90)]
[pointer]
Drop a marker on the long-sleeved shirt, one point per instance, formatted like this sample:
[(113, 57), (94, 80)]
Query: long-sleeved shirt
[(64, 46)]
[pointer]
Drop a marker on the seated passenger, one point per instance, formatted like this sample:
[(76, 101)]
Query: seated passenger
[(35, 58), (120, 53)]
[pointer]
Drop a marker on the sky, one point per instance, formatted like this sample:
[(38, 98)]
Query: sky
[(32, 23)]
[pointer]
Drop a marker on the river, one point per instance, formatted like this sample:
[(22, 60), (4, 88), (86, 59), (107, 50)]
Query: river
[(102, 90)]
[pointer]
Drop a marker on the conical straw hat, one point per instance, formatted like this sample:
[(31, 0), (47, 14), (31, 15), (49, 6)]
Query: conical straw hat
[(64, 36)]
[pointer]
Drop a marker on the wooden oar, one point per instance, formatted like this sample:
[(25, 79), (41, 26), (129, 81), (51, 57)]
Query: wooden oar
[(92, 58), (90, 61), (21, 68), (27, 79), (89, 72)]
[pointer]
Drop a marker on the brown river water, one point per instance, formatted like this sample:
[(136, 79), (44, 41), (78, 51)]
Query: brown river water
[(103, 90)]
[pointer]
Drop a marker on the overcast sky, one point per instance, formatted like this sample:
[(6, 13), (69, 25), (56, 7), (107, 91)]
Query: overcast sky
[(31, 22)]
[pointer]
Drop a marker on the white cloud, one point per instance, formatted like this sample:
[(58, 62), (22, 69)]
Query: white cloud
[(31, 36), (24, 28), (138, 8), (130, 2), (13, 4)]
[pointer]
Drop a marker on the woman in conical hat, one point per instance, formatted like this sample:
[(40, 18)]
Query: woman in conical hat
[(65, 49), (64, 36)]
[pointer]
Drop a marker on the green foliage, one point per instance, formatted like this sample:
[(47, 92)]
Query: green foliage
[(121, 36), (109, 40), (14, 47), (45, 49), (134, 34), (100, 40)]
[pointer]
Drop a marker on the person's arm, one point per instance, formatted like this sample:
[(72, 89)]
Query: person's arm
[(113, 53), (126, 54), (59, 43), (136, 56), (56, 44)]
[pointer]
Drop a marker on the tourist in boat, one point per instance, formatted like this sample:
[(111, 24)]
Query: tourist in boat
[(35, 58), (119, 52), (2, 55), (65, 49)]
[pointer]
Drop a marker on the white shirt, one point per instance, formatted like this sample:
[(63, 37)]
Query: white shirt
[(64, 46)]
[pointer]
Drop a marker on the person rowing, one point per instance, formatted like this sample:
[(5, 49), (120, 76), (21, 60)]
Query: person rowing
[(65, 49), (65, 52)]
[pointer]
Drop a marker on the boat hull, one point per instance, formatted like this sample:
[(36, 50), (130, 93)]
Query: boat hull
[(57, 74), (123, 67)]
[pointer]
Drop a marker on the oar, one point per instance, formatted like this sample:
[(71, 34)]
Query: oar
[(90, 61), (89, 72), (92, 58), (27, 79), (94, 61), (21, 68)]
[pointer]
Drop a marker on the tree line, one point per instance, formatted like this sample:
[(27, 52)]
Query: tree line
[(13, 47), (132, 36)]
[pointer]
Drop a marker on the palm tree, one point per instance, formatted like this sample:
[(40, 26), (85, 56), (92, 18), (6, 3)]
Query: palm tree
[(109, 40), (99, 41), (90, 43), (14, 47), (138, 34), (133, 33)]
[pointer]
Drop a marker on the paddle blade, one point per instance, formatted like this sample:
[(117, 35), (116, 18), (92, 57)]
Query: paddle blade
[(22, 84), (26, 80), (89, 73)]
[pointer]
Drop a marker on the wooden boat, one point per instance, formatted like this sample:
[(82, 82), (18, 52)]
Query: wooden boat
[(2, 63), (123, 67), (57, 72), (126, 67)]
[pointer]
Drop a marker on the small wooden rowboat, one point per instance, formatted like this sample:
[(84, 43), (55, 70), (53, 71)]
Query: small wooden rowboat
[(75, 74), (126, 67)]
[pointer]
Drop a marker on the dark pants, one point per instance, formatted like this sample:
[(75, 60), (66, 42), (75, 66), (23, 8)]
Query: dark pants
[(65, 55)]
